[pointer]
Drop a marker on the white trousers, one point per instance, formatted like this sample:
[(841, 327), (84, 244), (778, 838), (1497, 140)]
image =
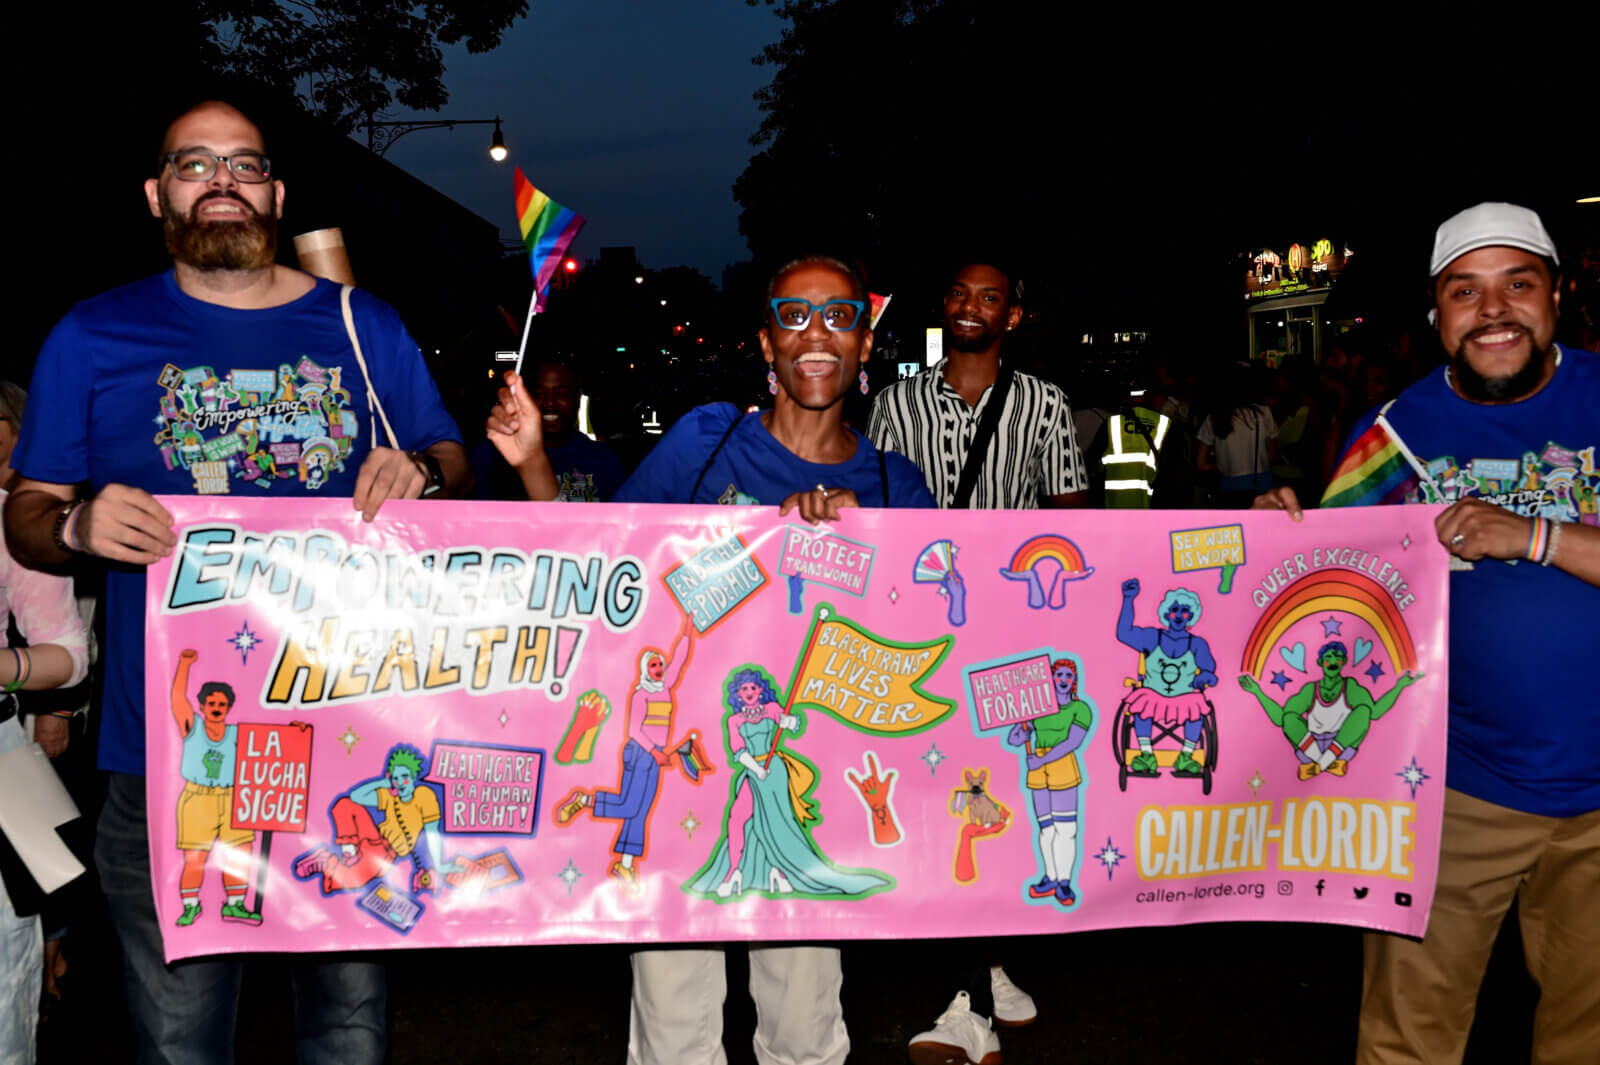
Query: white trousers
[(676, 1018)]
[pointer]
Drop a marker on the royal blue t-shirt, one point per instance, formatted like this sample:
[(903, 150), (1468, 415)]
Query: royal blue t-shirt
[(586, 472), (752, 468), (1523, 704), (149, 387)]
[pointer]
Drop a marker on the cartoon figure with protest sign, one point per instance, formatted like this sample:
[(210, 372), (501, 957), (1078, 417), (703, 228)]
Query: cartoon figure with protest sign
[(1050, 746), (1177, 668), (1327, 720), (369, 849), (649, 749), (205, 807), (766, 844)]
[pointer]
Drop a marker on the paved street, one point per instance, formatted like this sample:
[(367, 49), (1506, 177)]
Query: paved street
[(1207, 994)]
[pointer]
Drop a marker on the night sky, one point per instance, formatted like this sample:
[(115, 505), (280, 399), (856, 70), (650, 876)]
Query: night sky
[(631, 112), (638, 114)]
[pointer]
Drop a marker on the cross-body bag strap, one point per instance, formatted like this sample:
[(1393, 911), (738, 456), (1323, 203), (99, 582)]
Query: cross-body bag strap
[(737, 418), (980, 440), (372, 396)]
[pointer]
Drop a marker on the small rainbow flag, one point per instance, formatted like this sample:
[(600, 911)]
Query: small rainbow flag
[(547, 229), (879, 304), (692, 757), (1376, 469)]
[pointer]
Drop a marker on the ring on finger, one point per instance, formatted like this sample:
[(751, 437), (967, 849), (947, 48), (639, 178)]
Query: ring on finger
[(1458, 539), (823, 490)]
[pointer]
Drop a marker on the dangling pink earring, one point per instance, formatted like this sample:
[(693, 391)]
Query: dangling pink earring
[(772, 381), (862, 376)]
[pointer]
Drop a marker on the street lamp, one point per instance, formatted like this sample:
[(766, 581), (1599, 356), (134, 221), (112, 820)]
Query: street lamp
[(381, 135)]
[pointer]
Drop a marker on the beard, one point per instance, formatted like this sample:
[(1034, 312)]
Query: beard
[(979, 341), (1513, 386), (251, 244)]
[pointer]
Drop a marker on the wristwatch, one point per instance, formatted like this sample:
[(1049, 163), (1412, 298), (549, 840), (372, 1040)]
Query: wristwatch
[(430, 469)]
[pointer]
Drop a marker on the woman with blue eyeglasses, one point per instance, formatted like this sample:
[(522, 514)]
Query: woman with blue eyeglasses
[(801, 456)]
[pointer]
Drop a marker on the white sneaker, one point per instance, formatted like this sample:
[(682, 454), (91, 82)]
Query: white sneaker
[(958, 1037), (1013, 1006)]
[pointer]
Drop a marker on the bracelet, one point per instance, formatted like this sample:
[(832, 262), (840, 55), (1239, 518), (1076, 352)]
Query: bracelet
[(70, 533), (66, 714), (59, 529), (1550, 548), (1538, 539), (24, 667)]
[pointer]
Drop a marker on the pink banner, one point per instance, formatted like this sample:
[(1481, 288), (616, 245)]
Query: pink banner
[(542, 723)]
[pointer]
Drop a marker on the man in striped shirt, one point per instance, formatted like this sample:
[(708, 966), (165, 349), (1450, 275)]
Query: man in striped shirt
[(1033, 458)]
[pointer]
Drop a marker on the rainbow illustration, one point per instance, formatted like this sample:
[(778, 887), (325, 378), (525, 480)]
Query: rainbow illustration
[(319, 459), (1064, 551), (547, 229), (1341, 590)]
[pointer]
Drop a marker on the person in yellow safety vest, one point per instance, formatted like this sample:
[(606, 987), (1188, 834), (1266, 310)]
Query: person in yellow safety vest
[(1133, 443)]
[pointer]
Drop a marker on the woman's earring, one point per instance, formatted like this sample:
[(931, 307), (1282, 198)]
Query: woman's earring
[(863, 378), (772, 381)]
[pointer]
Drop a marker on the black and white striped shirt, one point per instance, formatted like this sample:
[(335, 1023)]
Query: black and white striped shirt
[(1034, 452)]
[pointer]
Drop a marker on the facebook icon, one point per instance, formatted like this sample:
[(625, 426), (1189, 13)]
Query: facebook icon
[(1320, 884)]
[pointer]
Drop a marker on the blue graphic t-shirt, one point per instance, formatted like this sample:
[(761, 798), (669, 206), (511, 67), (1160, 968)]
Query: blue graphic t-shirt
[(753, 468), (1522, 705), (149, 387)]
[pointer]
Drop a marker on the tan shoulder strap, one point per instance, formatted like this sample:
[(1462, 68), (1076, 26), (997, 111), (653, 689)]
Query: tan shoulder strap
[(373, 404)]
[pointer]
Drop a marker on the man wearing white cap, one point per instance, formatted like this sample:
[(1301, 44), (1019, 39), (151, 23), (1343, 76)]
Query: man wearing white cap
[(1505, 434)]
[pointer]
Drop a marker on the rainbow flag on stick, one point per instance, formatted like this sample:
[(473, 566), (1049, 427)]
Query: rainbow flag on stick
[(1378, 468), (547, 229)]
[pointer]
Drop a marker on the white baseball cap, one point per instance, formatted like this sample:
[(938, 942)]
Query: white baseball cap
[(1489, 225)]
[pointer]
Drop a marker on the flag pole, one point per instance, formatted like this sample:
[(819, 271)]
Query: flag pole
[(794, 688), (527, 326)]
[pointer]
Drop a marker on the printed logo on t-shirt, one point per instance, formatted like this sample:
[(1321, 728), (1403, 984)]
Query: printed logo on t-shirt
[(255, 426), (575, 487), (1558, 483), (732, 497)]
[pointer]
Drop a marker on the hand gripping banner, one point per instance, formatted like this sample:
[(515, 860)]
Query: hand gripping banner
[(549, 723)]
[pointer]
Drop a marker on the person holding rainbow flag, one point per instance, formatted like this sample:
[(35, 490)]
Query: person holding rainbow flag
[(801, 456), (1522, 799)]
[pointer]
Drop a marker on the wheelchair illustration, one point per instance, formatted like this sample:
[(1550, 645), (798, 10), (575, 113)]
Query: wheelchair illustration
[(1126, 746)]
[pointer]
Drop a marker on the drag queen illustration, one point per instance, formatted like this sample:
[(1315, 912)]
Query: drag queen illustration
[(766, 845)]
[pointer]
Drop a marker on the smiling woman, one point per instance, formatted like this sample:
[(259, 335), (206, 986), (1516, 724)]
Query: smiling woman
[(799, 454)]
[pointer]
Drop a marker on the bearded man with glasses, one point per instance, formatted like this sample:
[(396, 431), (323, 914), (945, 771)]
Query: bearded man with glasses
[(249, 374)]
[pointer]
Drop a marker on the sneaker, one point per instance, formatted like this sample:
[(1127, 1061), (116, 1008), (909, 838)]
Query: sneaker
[(575, 801), (628, 875), (1186, 766), (1064, 893), (1044, 889), (191, 910), (958, 1037), (236, 911), (313, 864), (1013, 1007), (1144, 764)]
